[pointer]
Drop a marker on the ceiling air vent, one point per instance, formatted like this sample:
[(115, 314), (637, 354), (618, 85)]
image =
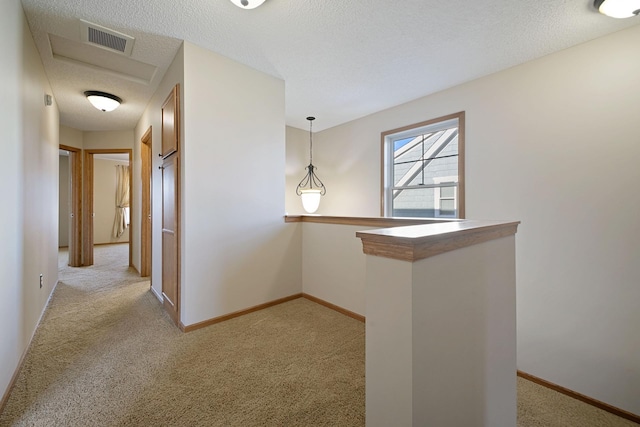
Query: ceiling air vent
[(109, 39)]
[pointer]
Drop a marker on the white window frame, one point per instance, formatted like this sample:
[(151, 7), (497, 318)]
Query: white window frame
[(437, 195), (434, 125)]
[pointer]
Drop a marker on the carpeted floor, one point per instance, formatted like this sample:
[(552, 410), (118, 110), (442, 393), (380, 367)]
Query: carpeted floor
[(106, 354), (542, 407)]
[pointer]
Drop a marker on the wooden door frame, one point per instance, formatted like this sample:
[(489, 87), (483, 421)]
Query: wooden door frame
[(146, 227), (87, 211), (75, 226)]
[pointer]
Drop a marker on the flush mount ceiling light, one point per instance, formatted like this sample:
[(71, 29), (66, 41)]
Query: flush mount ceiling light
[(247, 4), (311, 188), (103, 101), (618, 8)]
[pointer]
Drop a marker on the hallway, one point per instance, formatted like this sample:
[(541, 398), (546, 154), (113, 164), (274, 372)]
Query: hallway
[(106, 354)]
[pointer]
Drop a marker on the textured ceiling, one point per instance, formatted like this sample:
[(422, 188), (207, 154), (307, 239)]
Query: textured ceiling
[(340, 60)]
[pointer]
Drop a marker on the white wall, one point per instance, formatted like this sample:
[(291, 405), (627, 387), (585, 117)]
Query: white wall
[(104, 201), (237, 251), (29, 178), (553, 143), (152, 116)]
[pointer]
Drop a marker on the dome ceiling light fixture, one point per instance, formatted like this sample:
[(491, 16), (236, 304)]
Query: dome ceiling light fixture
[(103, 101), (618, 8), (311, 188), (247, 4)]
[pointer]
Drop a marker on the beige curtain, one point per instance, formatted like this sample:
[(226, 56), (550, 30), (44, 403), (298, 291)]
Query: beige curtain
[(122, 201)]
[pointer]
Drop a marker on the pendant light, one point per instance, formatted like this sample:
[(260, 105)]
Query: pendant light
[(103, 101), (311, 188), (247, 4), (618, 8)]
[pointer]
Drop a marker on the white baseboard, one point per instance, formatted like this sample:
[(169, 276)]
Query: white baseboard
[(156, 294)]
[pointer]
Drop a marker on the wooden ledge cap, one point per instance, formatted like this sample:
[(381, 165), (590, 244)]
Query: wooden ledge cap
[(417, 242), (379, 222)]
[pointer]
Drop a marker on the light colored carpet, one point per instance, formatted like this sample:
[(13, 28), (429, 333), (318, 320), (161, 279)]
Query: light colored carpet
[(539, 406), (106, 354)]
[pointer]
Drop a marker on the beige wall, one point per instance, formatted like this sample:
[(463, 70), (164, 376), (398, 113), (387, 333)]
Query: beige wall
[(11, 22), (107, 139), (553, 143), (63, 201), (71, 137), (29, 179), (39, 184), (104, 201), (151, 117), (469, 315), (333, 264), (438, 335), (297, 159), (237, 252)]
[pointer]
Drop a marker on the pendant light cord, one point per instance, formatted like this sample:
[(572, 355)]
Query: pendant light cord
[(310, 139)]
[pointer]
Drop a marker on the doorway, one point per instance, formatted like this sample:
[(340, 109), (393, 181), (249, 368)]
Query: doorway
[(146, 202), (89, 214), (70, 208)]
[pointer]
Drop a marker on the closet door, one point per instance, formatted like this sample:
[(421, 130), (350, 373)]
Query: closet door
[(170, 238), (171, 123), (171, 204)]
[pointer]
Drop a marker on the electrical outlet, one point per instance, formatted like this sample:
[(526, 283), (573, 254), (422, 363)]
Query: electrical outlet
[(41, 280)]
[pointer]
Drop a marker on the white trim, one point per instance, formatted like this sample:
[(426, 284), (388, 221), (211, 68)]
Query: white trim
[(157, 295), (437, 198)]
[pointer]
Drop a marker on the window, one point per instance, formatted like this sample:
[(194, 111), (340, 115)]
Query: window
[(423, 169)]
